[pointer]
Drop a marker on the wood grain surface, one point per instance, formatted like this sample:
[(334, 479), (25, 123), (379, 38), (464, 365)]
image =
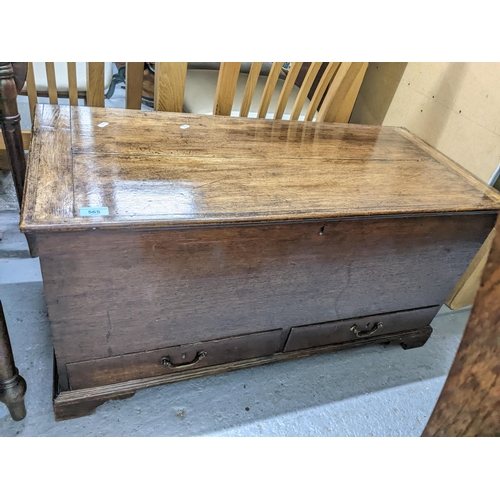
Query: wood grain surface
[(49, 184), (186, 357), (80, 402), (287, 89), (169, 86), (466, 288), (267, 94), (183, 286), (226, 88), (134, 72), (469, 404), (226, 170), (305, 87), (95, 84), (253, 77), (352, 329)]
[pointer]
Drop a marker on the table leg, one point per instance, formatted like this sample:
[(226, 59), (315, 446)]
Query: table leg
[(12, 385)]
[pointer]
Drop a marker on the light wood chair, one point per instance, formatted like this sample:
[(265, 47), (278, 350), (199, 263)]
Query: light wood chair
[(260, 90)]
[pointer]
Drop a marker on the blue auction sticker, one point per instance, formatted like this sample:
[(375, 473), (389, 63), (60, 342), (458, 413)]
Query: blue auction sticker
[(93, 211)]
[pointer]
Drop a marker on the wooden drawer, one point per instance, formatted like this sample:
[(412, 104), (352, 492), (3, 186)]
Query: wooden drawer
[(338, 332), (104, 371)]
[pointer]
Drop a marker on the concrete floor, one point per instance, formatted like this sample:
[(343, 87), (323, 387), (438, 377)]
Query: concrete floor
[(368, 391)]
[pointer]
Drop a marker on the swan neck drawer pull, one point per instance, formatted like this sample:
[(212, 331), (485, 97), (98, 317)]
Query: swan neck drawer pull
[(366, 333), (165, 361)]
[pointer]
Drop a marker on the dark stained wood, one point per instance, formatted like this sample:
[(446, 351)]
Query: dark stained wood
[(152, 363), (337, 332), (49, 191), (230, 227), (417, 339), (81, 402), (10, 121), (222, 136), (12, 78), (221, 170), (83, 406), (12, 385), (198, 284), (469, 404)]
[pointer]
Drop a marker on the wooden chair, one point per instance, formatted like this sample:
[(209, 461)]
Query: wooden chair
[(261, 90)]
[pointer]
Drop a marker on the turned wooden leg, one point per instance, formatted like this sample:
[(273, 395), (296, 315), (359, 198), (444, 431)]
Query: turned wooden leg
[(12, 76), (12, 385)]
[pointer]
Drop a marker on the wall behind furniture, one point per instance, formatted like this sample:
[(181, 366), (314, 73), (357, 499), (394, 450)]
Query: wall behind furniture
[(455, 107)]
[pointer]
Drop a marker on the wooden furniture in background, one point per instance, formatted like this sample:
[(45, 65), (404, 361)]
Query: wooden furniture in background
[(12, 78), (212, 243), (12, 385), (469, 404), (251, 89)]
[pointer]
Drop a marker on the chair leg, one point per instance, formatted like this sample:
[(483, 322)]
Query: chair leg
[(10, 121), (12, 385)]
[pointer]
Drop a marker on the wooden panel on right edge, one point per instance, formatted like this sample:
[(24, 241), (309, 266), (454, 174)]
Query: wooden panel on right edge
[(469, 404)]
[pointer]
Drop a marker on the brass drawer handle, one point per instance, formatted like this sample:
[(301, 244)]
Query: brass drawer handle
[(366, 333), (165, 361)]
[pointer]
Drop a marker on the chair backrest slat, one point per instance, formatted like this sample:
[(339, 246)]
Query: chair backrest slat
[(72, 85), (31, 89), (170, 80), (269, 89), (304, 89), (345, 111), (253, 77), (287, 89), (226, 88), (333, 86), (322, 87), (134, 76), (95, 84), (51, 82), (337, 92)]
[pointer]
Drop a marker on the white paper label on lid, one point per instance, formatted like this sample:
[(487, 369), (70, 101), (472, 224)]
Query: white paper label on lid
[(93, 211)]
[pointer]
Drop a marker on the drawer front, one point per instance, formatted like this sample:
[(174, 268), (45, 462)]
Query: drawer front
[(158, 362), (338, 332)]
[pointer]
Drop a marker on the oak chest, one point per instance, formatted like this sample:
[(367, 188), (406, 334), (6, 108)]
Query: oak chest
[(175, 246)]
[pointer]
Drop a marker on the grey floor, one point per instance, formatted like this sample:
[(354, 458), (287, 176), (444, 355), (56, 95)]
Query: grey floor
[(368, 391)]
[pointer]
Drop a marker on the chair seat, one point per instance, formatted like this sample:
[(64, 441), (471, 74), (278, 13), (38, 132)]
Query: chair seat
[(200, 89), (61, 69)]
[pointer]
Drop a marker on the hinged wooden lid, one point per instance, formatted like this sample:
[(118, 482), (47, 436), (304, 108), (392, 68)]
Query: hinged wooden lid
[(158, 169)]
